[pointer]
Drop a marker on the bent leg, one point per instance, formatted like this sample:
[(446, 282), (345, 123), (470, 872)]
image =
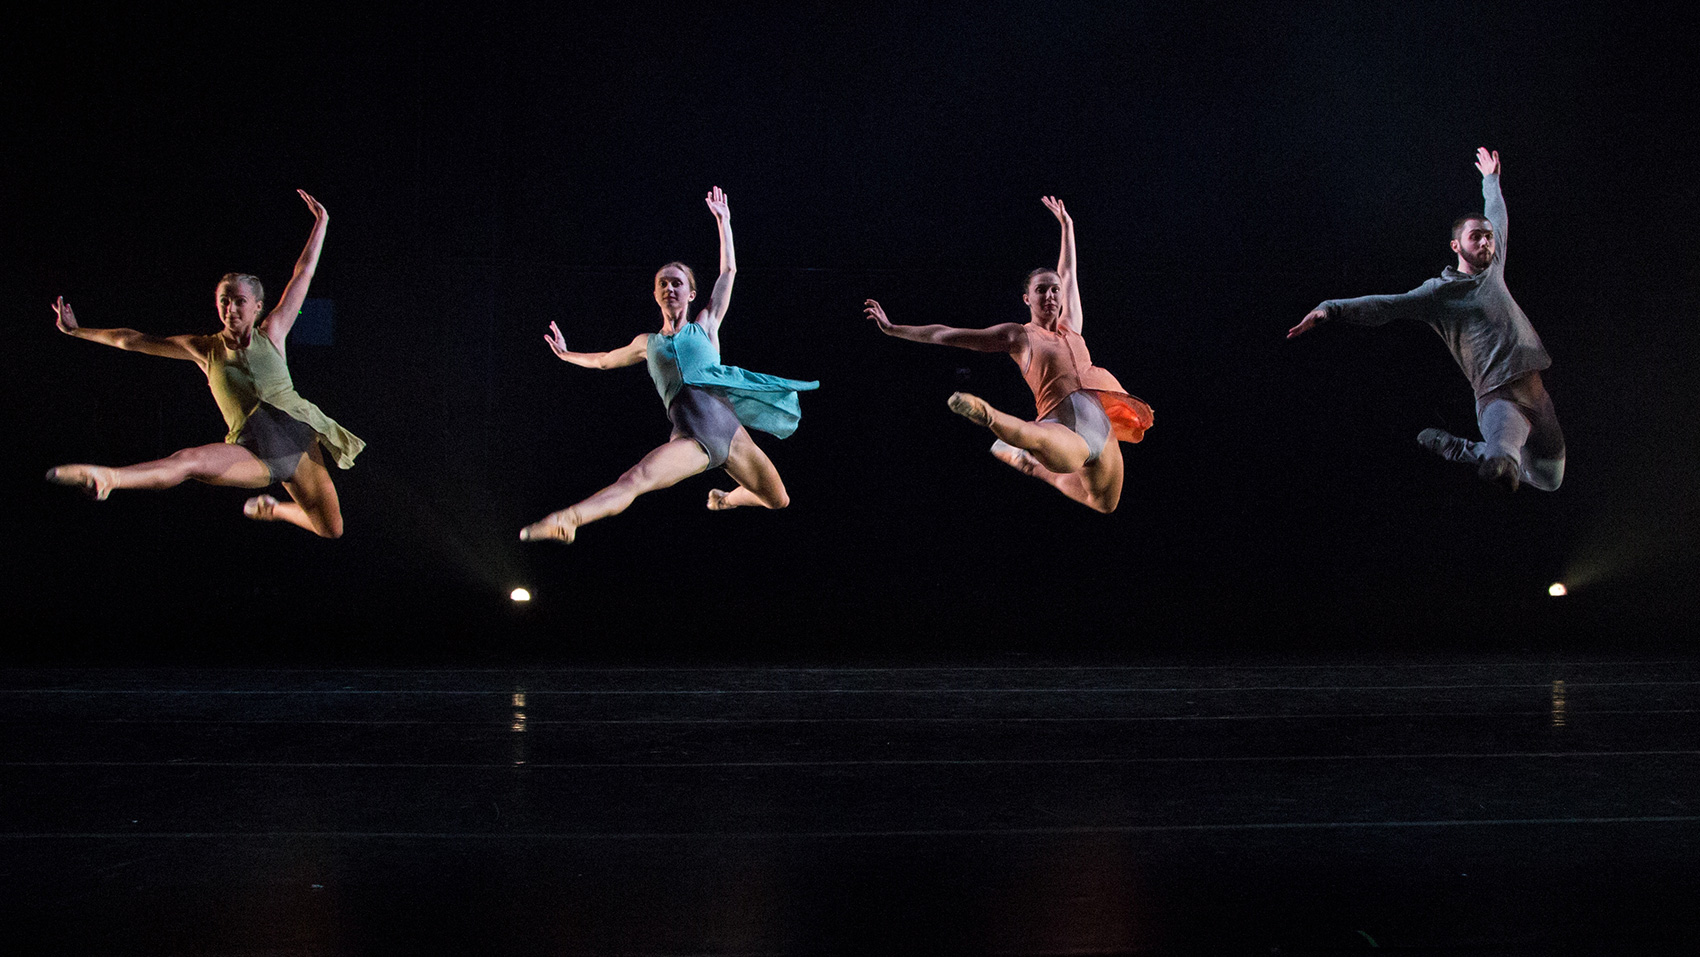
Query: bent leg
[(219, 464), (1054, 445), (314, 507), (667, 465), (758, 481), (1543, 453), (1097, 485)]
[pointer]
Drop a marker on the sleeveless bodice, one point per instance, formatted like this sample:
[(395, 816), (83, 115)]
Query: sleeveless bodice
[(241, 379)]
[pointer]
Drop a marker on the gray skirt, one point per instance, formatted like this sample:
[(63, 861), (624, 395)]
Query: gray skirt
[(278, 440), (708, 419)]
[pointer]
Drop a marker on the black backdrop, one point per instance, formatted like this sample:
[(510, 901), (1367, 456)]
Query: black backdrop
[(489, 170)]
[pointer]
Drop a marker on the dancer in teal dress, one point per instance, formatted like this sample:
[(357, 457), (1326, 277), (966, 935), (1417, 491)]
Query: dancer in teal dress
[(712, 406)]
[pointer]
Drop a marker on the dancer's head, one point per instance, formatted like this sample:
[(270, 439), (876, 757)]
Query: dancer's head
[(239, 298), (1043, 294), (1473, 241), (675, 285)]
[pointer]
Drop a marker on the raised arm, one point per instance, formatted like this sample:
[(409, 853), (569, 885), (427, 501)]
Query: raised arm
[(722, 296), (1004, 337), (629, 354), (1493, 201), (169, 347), (281, 319), (1067, 266)]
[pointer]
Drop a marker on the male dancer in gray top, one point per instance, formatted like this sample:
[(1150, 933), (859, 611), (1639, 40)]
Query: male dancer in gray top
[(1493, 342)]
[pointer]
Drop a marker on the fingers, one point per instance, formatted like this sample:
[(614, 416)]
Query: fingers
[(872, 310), (1306, 324)]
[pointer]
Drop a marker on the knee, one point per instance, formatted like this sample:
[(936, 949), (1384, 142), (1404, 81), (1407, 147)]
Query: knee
[(779, 499), (331, 529), (1105, 508)]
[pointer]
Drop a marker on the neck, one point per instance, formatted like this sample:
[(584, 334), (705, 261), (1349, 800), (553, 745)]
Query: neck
[(1465, 267)]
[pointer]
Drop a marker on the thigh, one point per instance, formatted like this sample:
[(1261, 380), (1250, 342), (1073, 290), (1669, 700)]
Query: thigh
[(668, 464), (1103, 476), (229, 465), (750, 467), (311, 487)]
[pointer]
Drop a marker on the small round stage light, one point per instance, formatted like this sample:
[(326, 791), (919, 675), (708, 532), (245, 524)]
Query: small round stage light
[(1557, 589), (520, 594)]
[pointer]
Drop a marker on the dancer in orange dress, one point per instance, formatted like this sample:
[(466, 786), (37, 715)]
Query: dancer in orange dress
[(1081, 407)]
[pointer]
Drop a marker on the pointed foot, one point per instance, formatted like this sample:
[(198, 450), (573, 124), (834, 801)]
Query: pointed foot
[(559, 526), (971, 407), (261, 508), (717, 500), (1443, 443), (96, 481)]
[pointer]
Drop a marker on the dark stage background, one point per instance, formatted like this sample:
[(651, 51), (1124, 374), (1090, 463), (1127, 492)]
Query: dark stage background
[(489, 169)]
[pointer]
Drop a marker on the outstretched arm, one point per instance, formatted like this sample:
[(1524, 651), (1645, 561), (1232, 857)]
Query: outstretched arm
[(1067, 268), (169, 347), (629, 354), (1369, 310), (722, 296), (1005, 337), (282, 317)]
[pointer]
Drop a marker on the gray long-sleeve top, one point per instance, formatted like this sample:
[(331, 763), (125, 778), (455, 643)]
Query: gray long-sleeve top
[(1475, 315)]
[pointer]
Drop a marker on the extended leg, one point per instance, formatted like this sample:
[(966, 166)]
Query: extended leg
[(671, 463), (219, 464), (758, 481), (1054, 445), (314, 507)]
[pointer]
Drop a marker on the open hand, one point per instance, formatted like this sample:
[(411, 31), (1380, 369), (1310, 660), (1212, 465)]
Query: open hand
[(64, 318), (1055, 205), (557, 342), (877, 314), (717, 204), (317, 207), (1487, 162), (1312, 319)]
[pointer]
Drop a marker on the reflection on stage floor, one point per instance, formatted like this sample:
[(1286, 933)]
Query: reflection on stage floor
[(1435, 804)]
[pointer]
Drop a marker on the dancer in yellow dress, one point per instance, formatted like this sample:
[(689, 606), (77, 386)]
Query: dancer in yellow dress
[(274, 434)]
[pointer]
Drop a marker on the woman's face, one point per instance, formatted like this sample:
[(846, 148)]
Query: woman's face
[(238, 307), (673, 289), (1044, 295)]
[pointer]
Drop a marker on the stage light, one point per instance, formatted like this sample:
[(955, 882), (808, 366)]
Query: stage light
[(1557, 589), (520, 594)]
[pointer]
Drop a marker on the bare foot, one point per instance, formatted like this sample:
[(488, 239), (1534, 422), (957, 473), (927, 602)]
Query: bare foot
[(971, 407), (717, 500), (96, 481), (1019, 459), (561, 526), (260, 508)]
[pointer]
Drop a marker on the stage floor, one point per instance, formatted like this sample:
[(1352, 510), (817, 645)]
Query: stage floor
[(1434, 804)]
